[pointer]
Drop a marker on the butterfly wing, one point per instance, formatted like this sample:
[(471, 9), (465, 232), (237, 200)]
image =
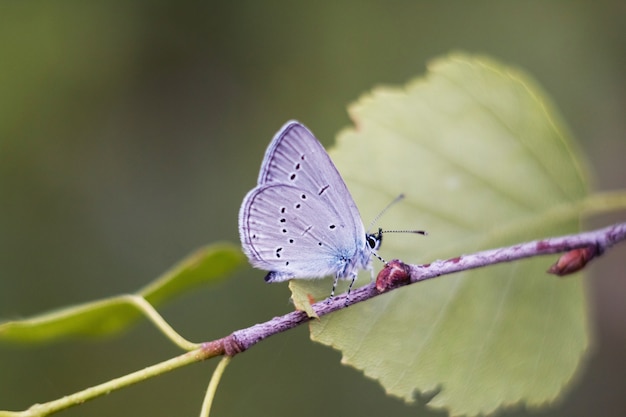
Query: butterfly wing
[(294, 234), (300, 220)]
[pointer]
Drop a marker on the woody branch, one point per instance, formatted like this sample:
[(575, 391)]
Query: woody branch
[(578, 250)]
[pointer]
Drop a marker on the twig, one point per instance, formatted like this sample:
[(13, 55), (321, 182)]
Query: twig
[(579, 248), (397, 274)]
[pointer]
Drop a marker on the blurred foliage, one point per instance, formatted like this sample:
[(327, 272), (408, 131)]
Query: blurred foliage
[(130, 132)]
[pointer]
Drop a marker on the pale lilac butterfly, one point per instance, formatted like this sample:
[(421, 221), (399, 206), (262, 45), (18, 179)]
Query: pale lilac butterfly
[(300, 221)]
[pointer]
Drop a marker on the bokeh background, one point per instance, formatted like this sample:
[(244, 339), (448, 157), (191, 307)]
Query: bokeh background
[(130, 132)]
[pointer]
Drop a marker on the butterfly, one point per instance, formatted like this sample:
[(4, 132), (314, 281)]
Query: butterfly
[(300, 220)]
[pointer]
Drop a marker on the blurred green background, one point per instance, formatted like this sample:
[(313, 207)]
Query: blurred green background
[(130, 132)]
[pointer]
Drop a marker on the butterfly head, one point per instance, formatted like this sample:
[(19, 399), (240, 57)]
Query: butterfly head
[(374, 240)]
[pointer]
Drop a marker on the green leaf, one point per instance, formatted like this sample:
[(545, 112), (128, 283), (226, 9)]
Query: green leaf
[(484, 161), (208, 265), (303, 300)]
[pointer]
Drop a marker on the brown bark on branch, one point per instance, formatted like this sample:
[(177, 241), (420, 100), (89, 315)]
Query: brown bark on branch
[(579, 249)]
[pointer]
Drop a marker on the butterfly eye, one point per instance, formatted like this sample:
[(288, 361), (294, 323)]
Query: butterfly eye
[(374, 240)]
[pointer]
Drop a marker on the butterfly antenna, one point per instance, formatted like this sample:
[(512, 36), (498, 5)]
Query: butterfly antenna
[(393, 202), (419, 232), (380, 231)]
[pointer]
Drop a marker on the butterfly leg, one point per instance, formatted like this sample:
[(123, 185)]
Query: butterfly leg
[(354, 277), (332, 292)]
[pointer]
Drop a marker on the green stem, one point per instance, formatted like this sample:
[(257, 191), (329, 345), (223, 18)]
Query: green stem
[(215, 380), (149, 311), (80, 397), (604, 202)]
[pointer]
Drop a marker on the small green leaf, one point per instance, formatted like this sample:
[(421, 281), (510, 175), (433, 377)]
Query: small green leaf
[(111, 315), (303, 299), (209, 264), (484, 161)]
